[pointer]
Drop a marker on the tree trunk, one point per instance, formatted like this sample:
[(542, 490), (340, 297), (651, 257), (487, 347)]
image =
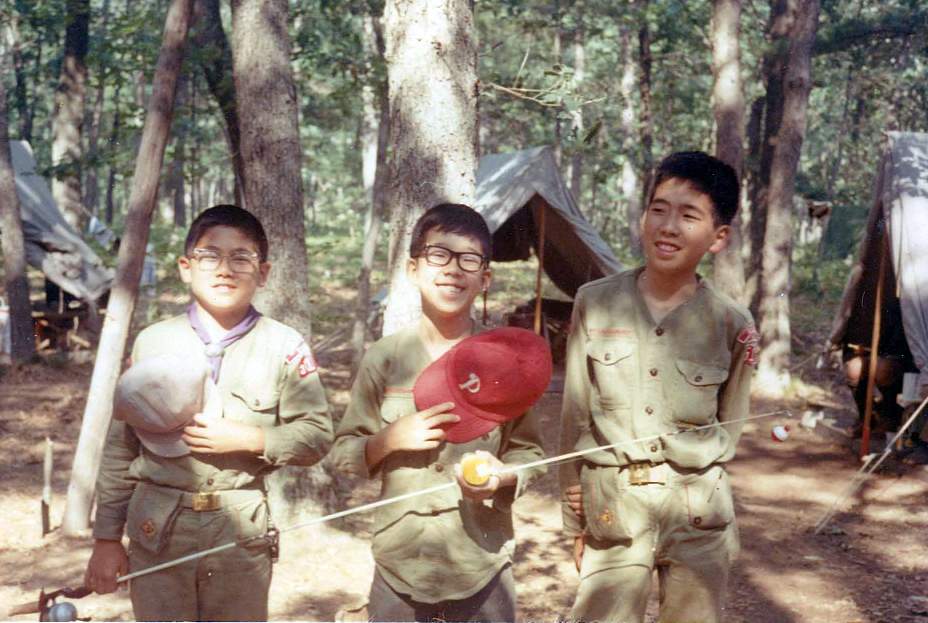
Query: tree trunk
[(128, 271), (644, 86), (774, 65), (773, 320), (216, 62), (631, 188), (374, 148), (20, 91), (728, 107), (576, 159), (271, 153), (433, 125), (22, 345), (69, 115), (176, 182), (91, 183)]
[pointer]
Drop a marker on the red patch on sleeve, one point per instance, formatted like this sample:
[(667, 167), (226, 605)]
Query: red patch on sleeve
[(750, 337), (303, 359)]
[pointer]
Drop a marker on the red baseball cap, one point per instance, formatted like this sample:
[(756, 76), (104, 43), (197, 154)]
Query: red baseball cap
[(491, 378)]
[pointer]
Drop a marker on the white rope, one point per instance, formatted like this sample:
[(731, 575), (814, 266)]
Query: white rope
[(562, 458)]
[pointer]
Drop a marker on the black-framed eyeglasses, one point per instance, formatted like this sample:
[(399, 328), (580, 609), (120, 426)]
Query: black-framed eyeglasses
[(239, 261), (436, 255)]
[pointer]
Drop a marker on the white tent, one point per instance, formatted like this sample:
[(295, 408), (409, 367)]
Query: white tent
[(524, 200), (900, 209), (52, 246)]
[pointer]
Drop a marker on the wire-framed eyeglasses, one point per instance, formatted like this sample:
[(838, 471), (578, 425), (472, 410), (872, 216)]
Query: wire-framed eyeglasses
[(469, 262), (239, 261)]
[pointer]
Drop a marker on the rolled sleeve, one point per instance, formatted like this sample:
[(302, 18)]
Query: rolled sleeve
[(305, 432)]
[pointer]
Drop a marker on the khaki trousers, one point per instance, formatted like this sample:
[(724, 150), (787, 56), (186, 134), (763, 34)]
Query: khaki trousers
[(231, 585), (683, 528)]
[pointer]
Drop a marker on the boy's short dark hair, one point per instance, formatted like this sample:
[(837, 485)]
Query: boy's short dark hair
[(230, 216), (708, 175), (451, 218)]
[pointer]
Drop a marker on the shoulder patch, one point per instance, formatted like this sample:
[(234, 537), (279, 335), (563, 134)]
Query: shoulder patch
[(751, 338), (302, 358)]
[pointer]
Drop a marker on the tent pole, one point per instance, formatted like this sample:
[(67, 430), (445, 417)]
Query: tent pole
[(541, 262), (874, 348)]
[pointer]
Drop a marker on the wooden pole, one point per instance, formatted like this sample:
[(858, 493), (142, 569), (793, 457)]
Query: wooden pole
[(47, 464), (541, 265), (874, 347), (115, 331)]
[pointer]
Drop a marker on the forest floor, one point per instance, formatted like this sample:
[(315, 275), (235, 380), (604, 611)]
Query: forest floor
[(870, 564)]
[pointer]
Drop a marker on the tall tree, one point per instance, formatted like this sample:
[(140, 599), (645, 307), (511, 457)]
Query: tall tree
[(629, 179), (271, 152), (215, 58), (69, 114), (576, 158), (14, 252), (433, 125), (121, 304), (375, 134), (646, 135), (773, 317), (728, 107)]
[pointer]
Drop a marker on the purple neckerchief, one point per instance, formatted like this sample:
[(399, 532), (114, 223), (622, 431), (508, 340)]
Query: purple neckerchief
[(215, 350)]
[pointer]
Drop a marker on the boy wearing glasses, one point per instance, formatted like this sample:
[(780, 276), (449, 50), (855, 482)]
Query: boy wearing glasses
[(179, 489), (447, 555)]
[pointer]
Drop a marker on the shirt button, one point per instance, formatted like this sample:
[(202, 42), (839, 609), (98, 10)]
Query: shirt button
[(698, 378), (659, 331), (257, 402), (653, 371), (653, 448), (649, 410), (607, 356), (697, 520), (209, 481), (439, 467)]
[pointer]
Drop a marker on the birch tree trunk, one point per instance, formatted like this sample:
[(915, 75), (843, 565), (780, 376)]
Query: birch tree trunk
[(374, 169), (773, 319), (11, 240), (728, 107), (576, 159), (271, 153), (433, 125), (115, 331), (631, 186), (69, 115)]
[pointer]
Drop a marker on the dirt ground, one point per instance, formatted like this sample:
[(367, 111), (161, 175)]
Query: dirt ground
[(870, 564)]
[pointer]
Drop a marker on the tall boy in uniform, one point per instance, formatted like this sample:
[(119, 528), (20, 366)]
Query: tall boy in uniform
[(181, 488), (653, 352), (447, 555)]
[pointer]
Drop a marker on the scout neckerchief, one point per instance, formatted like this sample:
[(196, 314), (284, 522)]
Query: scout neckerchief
[(215, 348)]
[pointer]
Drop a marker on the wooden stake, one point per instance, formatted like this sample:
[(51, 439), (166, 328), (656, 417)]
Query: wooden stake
[(115, 331), (47, 465), (541, 266), (874, 347)]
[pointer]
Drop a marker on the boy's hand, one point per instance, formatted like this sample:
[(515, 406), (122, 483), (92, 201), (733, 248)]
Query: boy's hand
[(579, 542), (574, 494), (420, 430), (212, 435), (107, 562), (491, 486)]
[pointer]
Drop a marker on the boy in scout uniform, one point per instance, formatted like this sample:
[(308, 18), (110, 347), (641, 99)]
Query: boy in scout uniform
[(653, 352), (446, 555), (179, 485)]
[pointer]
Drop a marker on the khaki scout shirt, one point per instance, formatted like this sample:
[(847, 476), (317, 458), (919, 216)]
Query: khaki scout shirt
[(628, 377), (439, 546), (264, 381)]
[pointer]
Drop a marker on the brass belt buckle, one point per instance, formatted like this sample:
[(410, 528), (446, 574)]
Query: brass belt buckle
[(639, 473), (206, 501)]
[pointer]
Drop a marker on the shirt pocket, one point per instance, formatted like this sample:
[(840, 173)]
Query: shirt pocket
[(151, 515), (693, 391), (709, 500), (395, 405), (612, 369), (254, 406)]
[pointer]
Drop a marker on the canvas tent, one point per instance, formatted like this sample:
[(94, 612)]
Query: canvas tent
[(52, 246), (893, 261), (522, 195)]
